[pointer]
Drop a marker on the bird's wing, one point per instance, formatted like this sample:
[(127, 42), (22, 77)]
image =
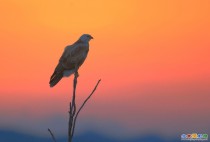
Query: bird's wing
[(66, 53), (73, 56)]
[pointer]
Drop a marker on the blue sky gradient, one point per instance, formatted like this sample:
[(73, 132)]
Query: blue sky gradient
[(10, 136)]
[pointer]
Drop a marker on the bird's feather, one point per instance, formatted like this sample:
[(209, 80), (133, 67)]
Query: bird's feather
[(73, 57)]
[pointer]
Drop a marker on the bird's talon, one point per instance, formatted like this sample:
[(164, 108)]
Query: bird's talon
[(76, 74)]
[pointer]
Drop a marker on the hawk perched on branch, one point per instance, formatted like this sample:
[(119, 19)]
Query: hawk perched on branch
[(72, 58)]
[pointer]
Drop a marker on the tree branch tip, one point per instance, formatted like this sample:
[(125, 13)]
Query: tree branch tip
[(52, 135)]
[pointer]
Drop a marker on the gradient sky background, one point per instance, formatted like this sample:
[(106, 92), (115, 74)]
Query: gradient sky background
[(153, 57)]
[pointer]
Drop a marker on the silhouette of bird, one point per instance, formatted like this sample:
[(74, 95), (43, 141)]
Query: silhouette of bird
[(72, 58)]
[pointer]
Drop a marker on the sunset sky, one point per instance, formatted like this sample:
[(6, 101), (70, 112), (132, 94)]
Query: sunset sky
[(153, 57)]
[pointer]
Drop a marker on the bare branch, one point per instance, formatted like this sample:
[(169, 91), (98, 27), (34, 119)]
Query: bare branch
[(70, 122), (52, 135), (72, 108), (73, 113), (84, 105)]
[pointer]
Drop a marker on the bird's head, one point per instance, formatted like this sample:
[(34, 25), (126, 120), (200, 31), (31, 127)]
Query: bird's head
[(85, 38)]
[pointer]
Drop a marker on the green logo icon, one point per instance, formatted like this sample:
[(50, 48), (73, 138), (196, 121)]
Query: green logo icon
[(205, 136)]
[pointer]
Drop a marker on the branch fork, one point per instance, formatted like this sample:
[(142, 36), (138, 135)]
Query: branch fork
[(73, 113)]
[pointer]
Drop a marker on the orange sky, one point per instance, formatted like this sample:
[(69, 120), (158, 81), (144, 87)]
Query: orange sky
[(142, 49)]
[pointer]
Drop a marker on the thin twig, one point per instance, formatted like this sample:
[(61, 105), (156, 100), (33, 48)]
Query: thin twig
[(52, 135), (70, 122), (83, 105), (72, 108)]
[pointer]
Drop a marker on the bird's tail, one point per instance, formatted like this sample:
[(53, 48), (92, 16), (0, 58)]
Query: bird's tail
[(55, 78)]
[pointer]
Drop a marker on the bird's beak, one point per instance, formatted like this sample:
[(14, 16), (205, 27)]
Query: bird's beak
[(91, 37)]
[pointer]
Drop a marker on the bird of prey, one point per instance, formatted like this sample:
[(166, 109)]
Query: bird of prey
[(72, 58)]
